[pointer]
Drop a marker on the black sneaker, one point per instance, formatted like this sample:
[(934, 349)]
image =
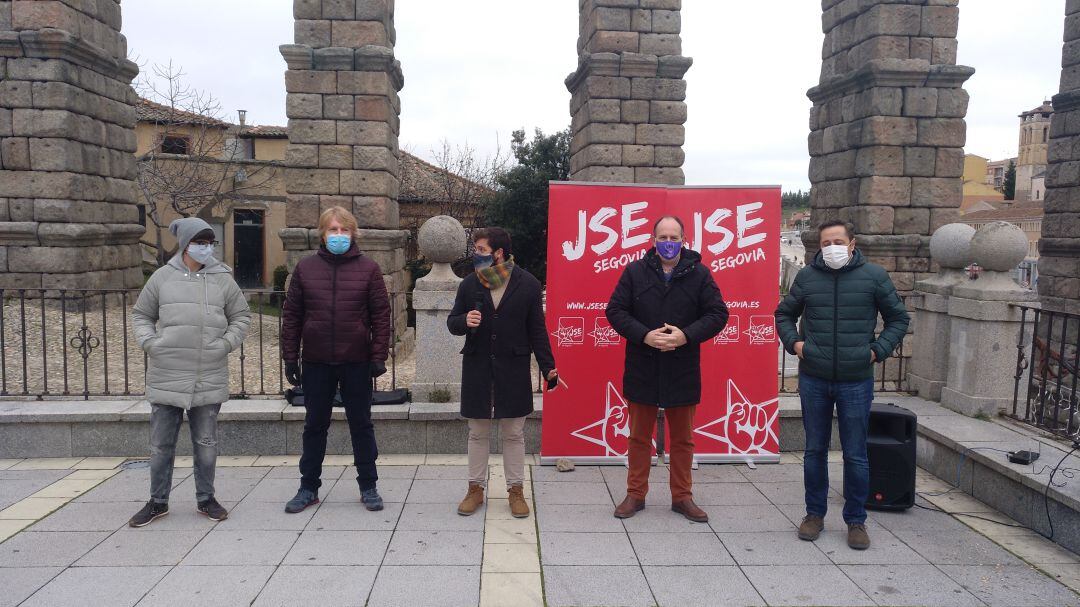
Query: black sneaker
[(213, 510), (149, 513), (371, 499), (301, 501)]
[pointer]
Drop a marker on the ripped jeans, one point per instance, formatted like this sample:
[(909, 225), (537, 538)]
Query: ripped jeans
[(165, 423)]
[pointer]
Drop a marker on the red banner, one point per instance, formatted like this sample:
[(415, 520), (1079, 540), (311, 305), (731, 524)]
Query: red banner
[(594, 231)]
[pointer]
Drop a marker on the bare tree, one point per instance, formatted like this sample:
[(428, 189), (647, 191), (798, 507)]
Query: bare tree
[(458, 182), (195, 161)]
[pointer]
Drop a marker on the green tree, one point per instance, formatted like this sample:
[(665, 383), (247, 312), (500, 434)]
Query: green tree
[(1008, 186), (521, 204), (795, 200)]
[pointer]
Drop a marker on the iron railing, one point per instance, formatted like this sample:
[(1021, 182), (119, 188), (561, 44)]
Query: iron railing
[(890, 374), (71, 343), (1047, 363)]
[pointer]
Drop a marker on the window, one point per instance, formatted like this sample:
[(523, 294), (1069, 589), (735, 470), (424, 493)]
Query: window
[(175, 144), (1045, 135)]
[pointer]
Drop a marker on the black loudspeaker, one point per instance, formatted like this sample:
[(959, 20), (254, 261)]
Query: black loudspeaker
[(890, 446)]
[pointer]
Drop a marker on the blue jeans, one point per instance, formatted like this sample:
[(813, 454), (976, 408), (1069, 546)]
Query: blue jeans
[(165, 423), (852, 401)]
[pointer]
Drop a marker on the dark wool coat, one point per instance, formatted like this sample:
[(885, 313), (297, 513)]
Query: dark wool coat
[(338, 308), (643, 300), (495, 359), (839, 310)]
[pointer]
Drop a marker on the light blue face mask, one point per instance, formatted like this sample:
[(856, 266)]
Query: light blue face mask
[(201, 253), (338, 243)]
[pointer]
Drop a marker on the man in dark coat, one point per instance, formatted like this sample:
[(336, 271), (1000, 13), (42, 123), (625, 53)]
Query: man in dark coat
[(337, 308), (839, 297), (665, 305), (499, 310)]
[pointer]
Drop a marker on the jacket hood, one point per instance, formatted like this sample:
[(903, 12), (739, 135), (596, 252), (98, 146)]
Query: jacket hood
[(184, 229), (688, 258), (857, 260)]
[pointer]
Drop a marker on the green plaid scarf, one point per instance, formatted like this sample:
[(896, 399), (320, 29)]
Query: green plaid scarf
[(496, 275)]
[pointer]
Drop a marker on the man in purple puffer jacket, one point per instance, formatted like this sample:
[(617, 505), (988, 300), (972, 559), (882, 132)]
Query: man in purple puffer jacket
[(336, 319)]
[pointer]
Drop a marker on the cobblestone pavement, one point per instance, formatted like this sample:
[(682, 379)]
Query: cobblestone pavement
[(64, 541)]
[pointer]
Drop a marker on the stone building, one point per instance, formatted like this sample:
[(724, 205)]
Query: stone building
[(887, 129), (1033, 147), (628, 96), (68, 203)]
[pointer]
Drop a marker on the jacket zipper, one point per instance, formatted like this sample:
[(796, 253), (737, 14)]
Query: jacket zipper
[(333, 311), (835, 328), (202, 334)]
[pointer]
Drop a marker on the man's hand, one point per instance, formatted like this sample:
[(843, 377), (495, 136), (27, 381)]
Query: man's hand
[(378, 368), (674, 336), (873, 356), (658, 338), (472, 319), (292, 372), (798, 348)]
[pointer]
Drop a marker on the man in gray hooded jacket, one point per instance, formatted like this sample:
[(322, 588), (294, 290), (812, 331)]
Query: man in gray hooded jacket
[(188, 317)]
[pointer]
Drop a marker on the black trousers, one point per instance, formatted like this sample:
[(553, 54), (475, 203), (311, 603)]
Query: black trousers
[(320, 383)]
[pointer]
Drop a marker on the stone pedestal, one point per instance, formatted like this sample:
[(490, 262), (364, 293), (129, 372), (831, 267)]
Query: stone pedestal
[(342, 101), (950, 248), (438, 353), (68, 202), (887, 129), (628, 102), (984, 324)]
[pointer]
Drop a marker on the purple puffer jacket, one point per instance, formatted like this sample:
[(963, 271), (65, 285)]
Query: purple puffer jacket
[(338, 308)]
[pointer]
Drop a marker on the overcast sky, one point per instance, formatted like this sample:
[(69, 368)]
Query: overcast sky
[(475, 71)]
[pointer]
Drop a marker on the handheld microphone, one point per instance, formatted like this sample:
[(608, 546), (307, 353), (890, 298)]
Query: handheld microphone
[(477, 307)]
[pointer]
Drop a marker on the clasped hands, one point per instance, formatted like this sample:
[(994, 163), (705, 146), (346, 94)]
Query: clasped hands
[(666, 338)]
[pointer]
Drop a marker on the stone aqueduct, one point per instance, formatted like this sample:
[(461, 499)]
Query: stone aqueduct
[(886, 137)]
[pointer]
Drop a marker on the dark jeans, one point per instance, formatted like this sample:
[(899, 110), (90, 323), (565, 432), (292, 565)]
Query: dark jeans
[(320, 383), (165, 423), (852, 401)]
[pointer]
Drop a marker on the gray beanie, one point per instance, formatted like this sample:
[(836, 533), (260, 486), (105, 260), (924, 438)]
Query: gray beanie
[(184, 229)]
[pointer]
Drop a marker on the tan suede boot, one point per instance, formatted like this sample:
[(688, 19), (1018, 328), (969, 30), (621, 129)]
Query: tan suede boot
[(473, 499), (519, 508)]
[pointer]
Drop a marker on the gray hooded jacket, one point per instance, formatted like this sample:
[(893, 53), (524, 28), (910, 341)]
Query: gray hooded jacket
[(188, 322)]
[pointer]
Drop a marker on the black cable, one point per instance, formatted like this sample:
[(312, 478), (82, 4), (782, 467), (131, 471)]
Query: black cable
[(1046, 492), (975, 516)]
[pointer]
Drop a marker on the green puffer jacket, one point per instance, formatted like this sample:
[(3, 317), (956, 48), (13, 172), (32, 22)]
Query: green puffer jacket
[(839, 310), (188, 322)]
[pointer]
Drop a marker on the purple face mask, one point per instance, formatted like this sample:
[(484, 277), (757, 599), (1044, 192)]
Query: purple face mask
[(668, 250)]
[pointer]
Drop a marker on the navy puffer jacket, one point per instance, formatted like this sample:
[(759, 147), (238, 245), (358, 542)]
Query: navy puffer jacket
[(338, 308), (839, 310)]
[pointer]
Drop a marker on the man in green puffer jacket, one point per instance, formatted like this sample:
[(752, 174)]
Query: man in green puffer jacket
[(839, 297), (188, 317)]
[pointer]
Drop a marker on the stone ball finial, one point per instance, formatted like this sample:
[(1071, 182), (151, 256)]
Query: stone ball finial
[(999, 246), (950, 245), (442, 239)]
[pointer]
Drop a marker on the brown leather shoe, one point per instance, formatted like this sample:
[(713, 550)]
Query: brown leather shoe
[(629, 507), (690, 510), (473, 499), (811, 527), (519, 508), (857, 538)]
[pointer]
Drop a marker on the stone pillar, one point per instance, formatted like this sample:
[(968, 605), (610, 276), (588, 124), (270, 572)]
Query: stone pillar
[(628, 99), (1059, 245), (343, 106), (887, 129), (984, 324), (68, 203), (950, 248), (438, 353)]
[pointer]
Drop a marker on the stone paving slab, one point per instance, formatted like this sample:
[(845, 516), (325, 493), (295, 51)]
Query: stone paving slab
[(326, 585), (339, 553), (696, 586), (98, 587)]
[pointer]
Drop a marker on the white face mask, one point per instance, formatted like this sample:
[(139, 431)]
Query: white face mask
[(836, 256), (201, 253)]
